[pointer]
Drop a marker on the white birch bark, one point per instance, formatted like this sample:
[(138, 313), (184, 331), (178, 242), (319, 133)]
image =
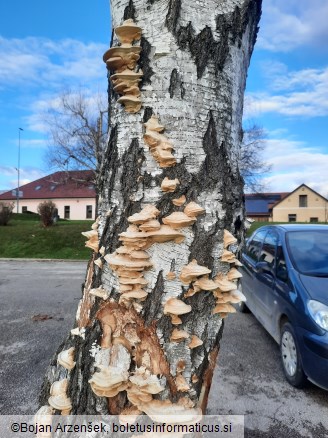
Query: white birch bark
[(195, 57)]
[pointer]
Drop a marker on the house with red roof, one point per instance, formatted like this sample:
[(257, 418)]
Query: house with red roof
[(73, 192)]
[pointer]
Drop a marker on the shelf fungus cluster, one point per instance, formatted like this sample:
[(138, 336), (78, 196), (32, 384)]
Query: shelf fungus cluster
[(223, 287), (131, 260), (159, 145), (123, 61), (136, 365)]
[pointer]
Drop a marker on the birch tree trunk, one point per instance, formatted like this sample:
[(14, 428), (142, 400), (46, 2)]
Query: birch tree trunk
[(194, 57)]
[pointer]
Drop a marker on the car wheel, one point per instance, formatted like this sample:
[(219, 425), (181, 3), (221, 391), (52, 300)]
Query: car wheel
[(290, 357)]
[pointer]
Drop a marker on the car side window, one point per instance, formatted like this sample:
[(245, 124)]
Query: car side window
[(281, 270), (255, 244), (268, 251)]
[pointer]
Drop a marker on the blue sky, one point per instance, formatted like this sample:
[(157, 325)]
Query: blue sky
[(49, 46)]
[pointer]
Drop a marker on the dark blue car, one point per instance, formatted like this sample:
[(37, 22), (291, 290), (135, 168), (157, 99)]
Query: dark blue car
[(285, 281)]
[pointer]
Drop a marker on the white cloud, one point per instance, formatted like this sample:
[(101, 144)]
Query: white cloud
[(297, 93), (294, 163), (289, 24), (40, 61), (27, 174)]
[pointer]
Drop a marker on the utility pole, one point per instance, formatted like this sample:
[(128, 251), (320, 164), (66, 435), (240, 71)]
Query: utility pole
[(18, 168)]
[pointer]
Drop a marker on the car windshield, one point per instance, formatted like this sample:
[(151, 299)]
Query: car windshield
[(308, 250)]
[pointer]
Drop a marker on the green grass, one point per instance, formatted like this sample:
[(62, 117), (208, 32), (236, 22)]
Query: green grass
[(25, 237)]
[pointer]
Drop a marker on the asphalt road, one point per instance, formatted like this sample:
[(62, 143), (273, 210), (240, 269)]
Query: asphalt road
[(248, 379), (28, 289)]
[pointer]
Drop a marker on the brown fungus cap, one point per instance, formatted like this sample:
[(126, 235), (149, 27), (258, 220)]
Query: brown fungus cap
[(192, 209), (193, 270), (178, 219)]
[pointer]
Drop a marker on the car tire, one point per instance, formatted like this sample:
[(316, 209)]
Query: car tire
[(290, 357), (242, 306)]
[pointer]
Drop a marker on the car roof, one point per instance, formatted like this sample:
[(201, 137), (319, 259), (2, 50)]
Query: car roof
[(298, 227)]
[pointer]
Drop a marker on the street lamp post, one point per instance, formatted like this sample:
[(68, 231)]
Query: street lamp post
[(18, 168)]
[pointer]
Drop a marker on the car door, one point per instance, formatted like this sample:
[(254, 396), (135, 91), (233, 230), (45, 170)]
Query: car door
[(265, 270), (250, 258)]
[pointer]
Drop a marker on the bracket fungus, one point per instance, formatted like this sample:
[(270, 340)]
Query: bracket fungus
[(109, 381), (58, 399), (175, 307), (128, 32), (178, 219), (93, 240), (123, 60), (150, 225), (99, 292), (193, 270), (170, 275), (195, 342), (159, 145), (179, 201), (204, 283), (146, 382), (230, 257), (66, 358), (43, 418), (224, 284), (233, 274), (179, 335), (228, 239), (192, 209), (223, 308), (169, 185), (171, 413), (147, 213)]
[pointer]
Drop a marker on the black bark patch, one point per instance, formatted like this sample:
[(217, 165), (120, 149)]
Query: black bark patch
[(147, 114), (144, 61), (173, 15), (176, 84), (129, 11), (84, 401), (203, 243), (110, 161), (152, 304), (203, 47)]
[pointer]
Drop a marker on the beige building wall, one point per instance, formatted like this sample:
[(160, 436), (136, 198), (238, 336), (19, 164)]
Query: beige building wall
[(316, 208), (77, 206)]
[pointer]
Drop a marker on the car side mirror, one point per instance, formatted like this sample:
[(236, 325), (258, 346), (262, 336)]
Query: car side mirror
[(262, 267), (282, 274)]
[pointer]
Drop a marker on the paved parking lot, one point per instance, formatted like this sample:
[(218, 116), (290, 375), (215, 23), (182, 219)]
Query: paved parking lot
[(248, 379)]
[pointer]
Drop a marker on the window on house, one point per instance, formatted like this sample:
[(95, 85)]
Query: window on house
[(314, 220), (89, 212), (24, 209), (292, 218), (303, 200), (67, 209)]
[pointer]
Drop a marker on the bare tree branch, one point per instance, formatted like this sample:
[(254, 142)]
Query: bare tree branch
[(251, 163), (76, 131)]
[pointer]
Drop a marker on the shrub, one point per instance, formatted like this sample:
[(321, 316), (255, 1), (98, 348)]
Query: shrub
[(6, 209), (47, 210)]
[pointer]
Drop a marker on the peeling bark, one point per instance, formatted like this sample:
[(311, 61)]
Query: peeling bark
[(195, 68)]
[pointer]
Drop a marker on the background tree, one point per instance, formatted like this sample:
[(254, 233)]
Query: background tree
[(47, 211), (194, 57), (6, 210), (77, 128), (251, 163)]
